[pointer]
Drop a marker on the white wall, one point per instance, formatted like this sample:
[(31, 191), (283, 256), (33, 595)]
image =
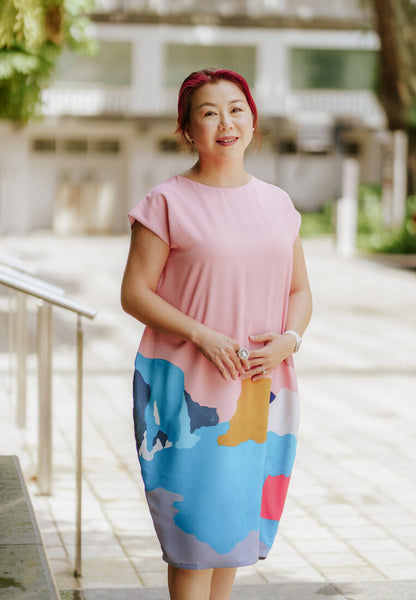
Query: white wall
[(14, 181)]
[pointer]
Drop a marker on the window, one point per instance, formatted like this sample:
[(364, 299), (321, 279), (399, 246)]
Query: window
[(323, 69), (75, 146), (71, 145), (43, 145), (106, 147), (182, 59), (168, 145), (110, 65)]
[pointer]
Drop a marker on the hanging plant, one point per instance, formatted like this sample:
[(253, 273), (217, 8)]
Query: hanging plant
[(32, 35)]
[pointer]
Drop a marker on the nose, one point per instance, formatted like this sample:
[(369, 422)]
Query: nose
[(225, 122)]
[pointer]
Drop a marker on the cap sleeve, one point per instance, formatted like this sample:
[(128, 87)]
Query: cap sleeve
[(152, 212)]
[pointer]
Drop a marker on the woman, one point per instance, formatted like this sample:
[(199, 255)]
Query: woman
[(216, 273)]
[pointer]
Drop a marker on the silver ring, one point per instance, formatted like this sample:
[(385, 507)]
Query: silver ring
[(263, 369), (242, 353)]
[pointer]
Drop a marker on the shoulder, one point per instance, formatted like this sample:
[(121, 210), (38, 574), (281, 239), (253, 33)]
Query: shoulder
[(166, 188), (281, 202), (272, 190), (271, 187)]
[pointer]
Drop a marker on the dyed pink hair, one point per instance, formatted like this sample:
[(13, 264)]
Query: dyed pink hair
[(199, 78)]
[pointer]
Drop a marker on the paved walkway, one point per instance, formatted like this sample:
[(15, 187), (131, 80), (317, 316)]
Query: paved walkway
[(349, 526)]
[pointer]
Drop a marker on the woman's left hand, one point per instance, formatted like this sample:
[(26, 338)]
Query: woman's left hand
[(275, 348)]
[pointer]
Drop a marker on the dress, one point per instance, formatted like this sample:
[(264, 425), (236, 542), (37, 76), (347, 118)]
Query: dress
[(216, 456)]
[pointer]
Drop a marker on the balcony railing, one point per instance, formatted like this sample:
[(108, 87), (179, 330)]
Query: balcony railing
[(338, 103), (89, 101), (125, 102)]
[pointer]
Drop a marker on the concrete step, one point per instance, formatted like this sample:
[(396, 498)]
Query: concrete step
[(24, 569)]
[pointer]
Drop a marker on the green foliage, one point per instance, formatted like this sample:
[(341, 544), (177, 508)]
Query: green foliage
[(370, 214), (318, 223), (371, 234), (399, 241), (32, 35)]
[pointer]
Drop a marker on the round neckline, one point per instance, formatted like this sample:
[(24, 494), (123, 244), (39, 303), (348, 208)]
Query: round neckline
[(217, 187)]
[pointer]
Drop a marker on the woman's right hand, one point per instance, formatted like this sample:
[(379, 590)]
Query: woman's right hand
[(221, 350)]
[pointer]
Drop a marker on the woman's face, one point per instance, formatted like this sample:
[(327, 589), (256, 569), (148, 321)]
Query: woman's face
[(220, 121)]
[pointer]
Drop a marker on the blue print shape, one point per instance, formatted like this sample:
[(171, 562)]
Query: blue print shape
[(141, 394), (163, 408), (201, 416)]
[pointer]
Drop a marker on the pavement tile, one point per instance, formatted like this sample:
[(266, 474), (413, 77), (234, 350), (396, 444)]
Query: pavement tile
[(153, 578), (379, 590), (322, 546), (249, 576), (143, 564), (356, 573), (109, 572)]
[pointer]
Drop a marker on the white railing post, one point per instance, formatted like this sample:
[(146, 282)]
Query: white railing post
[(79, 421), (12, 339), (21, 354), (45, 398), (347, 209)]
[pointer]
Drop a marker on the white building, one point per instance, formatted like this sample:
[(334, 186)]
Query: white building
[(107, 133)]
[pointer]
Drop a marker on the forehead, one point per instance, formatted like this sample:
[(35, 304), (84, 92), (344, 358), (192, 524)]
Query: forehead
[(218, 92)]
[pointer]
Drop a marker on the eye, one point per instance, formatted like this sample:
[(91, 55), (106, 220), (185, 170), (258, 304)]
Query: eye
[(209, 113), (236, 109)]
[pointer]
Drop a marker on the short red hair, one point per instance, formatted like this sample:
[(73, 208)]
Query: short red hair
[(199, 78)]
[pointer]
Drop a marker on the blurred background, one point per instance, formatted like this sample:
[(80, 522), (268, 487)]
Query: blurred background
[(88, 103)]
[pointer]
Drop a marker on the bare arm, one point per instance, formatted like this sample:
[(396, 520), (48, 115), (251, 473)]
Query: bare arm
[(145, 263), (300, 298), (277, 346)]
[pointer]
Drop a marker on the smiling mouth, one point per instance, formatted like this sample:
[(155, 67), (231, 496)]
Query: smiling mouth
[(227, 141)]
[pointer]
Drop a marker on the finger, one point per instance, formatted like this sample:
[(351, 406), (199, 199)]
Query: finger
[(234, 366), (262, 337), (260, 373), (245, 365), (256, 371), (220, 362), (222, 371), (242, 364), (256, 357)]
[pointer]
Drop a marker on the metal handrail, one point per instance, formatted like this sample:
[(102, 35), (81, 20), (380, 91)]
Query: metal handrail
[(12, 260), (49, 296), (23, 283), (22, 273)]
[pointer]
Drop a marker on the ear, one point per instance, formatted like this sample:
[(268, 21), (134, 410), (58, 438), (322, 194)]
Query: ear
[(188, 137)]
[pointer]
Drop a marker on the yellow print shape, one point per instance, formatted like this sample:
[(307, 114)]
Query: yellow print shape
[(249, 421)]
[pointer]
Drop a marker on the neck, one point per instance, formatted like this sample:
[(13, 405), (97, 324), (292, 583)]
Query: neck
[(222, 174)]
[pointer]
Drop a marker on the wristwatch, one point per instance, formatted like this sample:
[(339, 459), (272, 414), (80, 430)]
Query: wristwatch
[(297, 337)]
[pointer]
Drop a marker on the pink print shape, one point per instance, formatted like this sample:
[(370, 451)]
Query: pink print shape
[(274, 496)]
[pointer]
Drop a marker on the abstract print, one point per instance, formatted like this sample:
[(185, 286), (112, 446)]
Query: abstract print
[(216, 489)]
